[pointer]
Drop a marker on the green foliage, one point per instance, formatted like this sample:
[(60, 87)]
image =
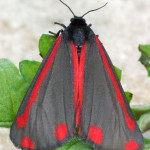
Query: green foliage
[(28, 69), (128, 96), (139, 110), (118, 71), (45, 42), (142, 115), (12, 90), (75, 144), (147, 144), (144, 122), (145, 56)]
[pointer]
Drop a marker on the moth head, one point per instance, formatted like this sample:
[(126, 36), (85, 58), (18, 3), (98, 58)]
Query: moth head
[(78, 21)]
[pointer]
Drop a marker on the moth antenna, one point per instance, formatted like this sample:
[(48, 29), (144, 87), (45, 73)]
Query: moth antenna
[(68, 7), (94, 10)]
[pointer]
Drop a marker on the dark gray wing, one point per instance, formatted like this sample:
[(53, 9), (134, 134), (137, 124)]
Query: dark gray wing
[(106, 119), (46, 116)]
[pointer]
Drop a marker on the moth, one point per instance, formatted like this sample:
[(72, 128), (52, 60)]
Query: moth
[(76, 89)]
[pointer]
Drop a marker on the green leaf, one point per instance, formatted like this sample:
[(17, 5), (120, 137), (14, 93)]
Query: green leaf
[(69, 144), (128, 96), (6, 124), (118, 71), (144, 122), (146, 141), (12, 90), (81, 146), (139, 110), (147, 144), (28, 69), (145, 56), (45, 42), (75, 144)]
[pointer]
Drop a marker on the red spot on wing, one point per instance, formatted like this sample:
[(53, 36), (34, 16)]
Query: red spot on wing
[(22, 120), (129, 121), (27, 142), (131, 145), (78, 68), (96, 134), (61, 131)]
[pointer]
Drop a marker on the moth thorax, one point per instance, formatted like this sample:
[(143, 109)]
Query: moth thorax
[(78, 39)]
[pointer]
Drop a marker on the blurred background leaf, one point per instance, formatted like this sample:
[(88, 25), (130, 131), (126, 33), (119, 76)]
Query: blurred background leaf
[(139, 110), (129, 96), (144, 122), (28, 69), (147, 144), (45, 42), (118, 72), (145, 56), (12, 90)]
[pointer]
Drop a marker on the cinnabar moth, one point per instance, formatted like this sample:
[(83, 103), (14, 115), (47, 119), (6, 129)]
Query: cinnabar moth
[(76, 87)]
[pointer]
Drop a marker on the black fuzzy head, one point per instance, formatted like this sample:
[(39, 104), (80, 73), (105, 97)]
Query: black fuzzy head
[(78, 21), (78, 32)]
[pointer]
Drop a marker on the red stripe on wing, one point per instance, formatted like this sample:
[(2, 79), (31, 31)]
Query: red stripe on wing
[(78, 68), (81, 73), (129, 121), (75, 70), (22, 120)]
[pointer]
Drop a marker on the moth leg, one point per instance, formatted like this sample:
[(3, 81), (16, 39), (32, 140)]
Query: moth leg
[(56, 34), (60, 24), (90, 25), (41, 55)]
